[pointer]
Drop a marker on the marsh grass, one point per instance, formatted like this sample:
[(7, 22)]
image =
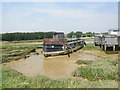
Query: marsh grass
[(89, 39), (97, 74), (111, 52), (26, 41), (84, 62), (98, 70), (13, 79), (91, 47), (10, 53)]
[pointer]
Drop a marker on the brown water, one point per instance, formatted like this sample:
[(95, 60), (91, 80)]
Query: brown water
[(54, 67)]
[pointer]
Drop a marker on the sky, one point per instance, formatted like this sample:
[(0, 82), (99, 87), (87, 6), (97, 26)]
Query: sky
[(58, 16)]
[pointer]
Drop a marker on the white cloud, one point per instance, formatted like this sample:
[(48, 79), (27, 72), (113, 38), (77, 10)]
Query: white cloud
[(59, 19)]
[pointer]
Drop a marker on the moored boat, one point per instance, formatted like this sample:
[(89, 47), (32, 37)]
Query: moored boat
[(60, 46)]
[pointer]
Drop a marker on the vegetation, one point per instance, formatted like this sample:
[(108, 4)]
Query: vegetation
[(98, 70), (40, 35), (81, 34), (89, 39), (96, 74), (13, 79), (0, 77), (14, 52), (106, 33), (84, 62), (27, 41), (91, 47), (26, 36), (111, 52), (69, 35)]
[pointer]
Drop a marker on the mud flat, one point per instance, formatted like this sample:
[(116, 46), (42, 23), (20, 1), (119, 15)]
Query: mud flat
[(55, 67)]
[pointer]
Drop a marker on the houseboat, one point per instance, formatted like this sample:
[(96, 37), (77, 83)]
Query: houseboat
[(58, 45)]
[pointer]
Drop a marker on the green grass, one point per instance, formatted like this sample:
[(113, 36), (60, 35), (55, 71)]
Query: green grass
[(89, 39), (0, 77), (91, 47), (13, 79), (10, 53), (27, 41), (100, 69), (111, 52), (84, 62)]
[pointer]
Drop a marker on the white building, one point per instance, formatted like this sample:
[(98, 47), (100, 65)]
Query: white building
[(114, 32)]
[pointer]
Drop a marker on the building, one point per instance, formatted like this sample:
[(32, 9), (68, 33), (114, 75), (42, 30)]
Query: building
[(114, 32)]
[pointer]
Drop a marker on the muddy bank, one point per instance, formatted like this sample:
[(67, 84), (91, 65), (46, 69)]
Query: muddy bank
[(97, 55), (56, 66), (53, 67)]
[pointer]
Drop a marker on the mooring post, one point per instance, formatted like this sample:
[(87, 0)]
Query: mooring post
[(105, 47), (113, 47), (102, 47), (68, 53)]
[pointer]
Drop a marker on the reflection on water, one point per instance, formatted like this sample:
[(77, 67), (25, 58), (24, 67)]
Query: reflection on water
[(54, 67)]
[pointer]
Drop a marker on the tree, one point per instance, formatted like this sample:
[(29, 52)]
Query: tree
[(106, 33), (26, 36), (78, 34), (69, 35)]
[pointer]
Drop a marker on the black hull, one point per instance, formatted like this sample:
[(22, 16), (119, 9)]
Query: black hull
[(62, 49)]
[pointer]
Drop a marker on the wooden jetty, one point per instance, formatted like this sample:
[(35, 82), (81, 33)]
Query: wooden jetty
[(106, 41)]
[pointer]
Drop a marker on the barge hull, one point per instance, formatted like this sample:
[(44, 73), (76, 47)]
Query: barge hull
[(55, 49), (65, 52)]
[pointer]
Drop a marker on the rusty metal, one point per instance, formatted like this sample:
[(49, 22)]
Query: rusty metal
[(54, 41)]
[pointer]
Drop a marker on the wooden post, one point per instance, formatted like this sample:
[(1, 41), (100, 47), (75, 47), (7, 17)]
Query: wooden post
[(113, 47), (105, 47), (102, 47), (68, 53)]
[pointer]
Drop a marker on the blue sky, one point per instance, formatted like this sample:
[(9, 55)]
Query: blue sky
[(59, 16)]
